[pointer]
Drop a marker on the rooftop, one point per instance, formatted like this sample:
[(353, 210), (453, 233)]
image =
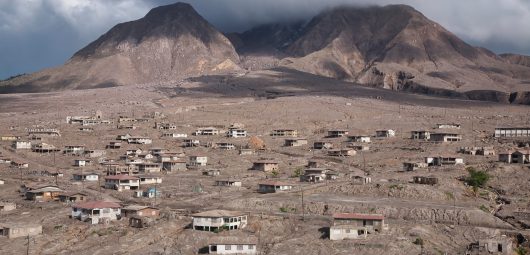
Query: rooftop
[(96, 205), (218, 214), (358, 216)]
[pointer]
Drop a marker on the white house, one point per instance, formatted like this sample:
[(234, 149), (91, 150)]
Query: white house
[(198, 160), (82, 162), (139, 140), (385, 133), (236, 133), (146, 180), (360, 138), (206, 131), (232, 245), (443, 161), (216, 220), (122, 182), (22, 145), (96, 211), (74, 149), (86, 177)]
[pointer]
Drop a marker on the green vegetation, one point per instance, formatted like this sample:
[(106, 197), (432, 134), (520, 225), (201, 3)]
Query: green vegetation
[(484, 208), (521, 251), (275, 173), (287, 209), (477, 178), (298, 172), (449, 195), (396, 186)]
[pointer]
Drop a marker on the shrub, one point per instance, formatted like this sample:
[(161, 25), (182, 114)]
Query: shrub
[(477, 178)]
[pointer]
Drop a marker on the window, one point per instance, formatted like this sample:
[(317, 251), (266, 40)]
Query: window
[(360, 232), (251, 247), (240, 247), (228, 247), (348, 231)]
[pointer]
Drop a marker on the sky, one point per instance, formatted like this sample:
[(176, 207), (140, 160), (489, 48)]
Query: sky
[(37, 34)]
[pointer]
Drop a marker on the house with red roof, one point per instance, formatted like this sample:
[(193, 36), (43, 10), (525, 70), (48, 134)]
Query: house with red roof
[(355, 225), (96, 211)]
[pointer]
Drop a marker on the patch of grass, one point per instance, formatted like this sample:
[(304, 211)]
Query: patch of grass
[(449, 195), (287, 209), (418, 241), (396, 186), (484, 208)]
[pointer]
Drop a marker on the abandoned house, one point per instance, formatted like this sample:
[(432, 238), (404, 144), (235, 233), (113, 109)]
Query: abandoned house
[(114, 145), (295, 142), (216, 220), (385, 133), (225, 146), (232, 245), (357, 179), (236, 133), (358, 146), (44, 148), (140, 211), (124, 137), (85, 177), (359, 138), (321, 145), (197, 160), (244, 152), (44, 132), (318, 175), (122, 182), (128, 127), (337, 133), (355, 226), (284, 133), (512, 132), (448, 126), (483, 151), (211, 172), (118, 169), (157, 151), (191, 143), (7, 206), (139, 140), (82, 162), (74, 150), (73, 197), (228, 183), (420, 135), (174, 165), (515, 157), (21, 145), (444, 161), (341, 152), (10, 138), (44, 194), (413, 166), (273, 186), (315, 163), (94, 153), (429, 180), (175, 135), (19, 164), (96, 211), (147, 180), (20, 230), (165, 126), (445, 137), (148, 167), (265, 165), (208, 131), (497, 246)]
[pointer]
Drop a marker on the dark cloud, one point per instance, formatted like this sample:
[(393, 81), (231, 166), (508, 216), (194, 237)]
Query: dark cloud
[(36, 34)]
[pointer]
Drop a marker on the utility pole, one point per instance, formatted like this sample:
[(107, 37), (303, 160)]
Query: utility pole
[(303, 211)]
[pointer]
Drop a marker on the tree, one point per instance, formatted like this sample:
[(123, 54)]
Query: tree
[(477, 179)]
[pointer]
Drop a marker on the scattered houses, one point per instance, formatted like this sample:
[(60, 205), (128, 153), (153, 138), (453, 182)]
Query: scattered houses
[(385, 133), (216, 220), (96, 211), (20, 230), (122, 182), (44, 148), (497, 246), (175, 135), (355, 226), (284, 133), (273, 186), (483, 151), (232, 245), (295, 142), (512, 132)]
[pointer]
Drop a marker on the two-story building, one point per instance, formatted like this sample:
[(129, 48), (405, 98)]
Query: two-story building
[(215, 220), (96, 211), (355, 225), (122, 182)]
